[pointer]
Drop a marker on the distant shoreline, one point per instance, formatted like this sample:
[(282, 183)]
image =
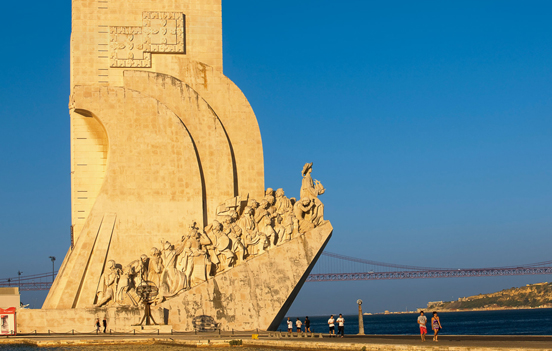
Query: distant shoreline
[(466, 310)]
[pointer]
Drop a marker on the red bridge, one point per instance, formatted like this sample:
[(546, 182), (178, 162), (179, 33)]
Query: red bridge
[(335, 267)]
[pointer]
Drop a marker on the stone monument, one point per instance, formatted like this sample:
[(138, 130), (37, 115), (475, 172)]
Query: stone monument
[(167, 181)]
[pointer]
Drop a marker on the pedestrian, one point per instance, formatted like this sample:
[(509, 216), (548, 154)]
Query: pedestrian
[(97, 325), (307, 325), (299, 324), (331, 323), (290, 325), (105, 323), (340, 325), (422, 320), (435, 325)]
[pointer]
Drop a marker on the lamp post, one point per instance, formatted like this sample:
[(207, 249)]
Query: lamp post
[(53, 258), (19, 273), (360, 319)]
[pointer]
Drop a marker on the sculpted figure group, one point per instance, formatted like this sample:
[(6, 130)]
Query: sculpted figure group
[(244, 229)]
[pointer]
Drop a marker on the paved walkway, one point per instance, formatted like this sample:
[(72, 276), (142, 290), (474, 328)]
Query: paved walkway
[(350, 342)]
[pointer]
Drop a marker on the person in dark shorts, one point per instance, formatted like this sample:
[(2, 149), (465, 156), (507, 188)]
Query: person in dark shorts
[(299, 324), (340, 325), (105, 323), (307, 325), (331, 324), (435, 325), (422, 320)]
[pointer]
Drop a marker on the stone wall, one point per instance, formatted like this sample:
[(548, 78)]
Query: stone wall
[(82, 320)]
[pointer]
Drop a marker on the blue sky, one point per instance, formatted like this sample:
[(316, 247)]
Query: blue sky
[(428, 122)]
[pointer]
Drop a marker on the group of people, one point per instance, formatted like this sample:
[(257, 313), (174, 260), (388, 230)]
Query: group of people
[(340, 321), (98, 326), (299, 325), (435, 325), (242, 230)]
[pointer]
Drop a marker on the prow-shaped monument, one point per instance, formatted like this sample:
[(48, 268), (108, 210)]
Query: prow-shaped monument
[(169, 210)]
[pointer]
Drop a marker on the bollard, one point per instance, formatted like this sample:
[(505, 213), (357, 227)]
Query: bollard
[(134, 330), (109, 331), (157, 331), (171, 331), (232, 331), (73, 330), (48, 331)]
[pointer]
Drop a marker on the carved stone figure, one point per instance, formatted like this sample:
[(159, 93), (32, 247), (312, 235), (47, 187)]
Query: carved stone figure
[(234, 233), (269, 192), (248, 225), (198, 260), (172, 280), (222, 248), (303, 210), (124, 286), (271, 200), (155, 267), (311, 189), (108, 284), (283, 204), (264, 222), (289, 226)]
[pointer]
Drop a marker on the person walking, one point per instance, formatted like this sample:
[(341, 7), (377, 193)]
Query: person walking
[(340, 325), (299, 324), (422, 320), (105, 324), (97, 325), (290, 325), (435, 325), (331, 324), (307, 325)]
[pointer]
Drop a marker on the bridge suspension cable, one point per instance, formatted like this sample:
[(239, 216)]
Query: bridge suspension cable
[(336, 267)]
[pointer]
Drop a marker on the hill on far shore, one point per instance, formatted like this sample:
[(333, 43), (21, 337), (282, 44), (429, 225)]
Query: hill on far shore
[(529, 296)]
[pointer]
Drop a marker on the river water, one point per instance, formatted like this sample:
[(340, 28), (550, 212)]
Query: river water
[(512, 322), (515, 322)]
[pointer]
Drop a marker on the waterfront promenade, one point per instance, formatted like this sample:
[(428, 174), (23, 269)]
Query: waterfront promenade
[(275, 341)]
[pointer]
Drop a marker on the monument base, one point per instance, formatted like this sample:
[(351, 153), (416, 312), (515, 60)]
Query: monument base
[(253, 295), (83, 320)]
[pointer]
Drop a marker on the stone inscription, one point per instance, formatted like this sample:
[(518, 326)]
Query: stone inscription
[(161, 32)]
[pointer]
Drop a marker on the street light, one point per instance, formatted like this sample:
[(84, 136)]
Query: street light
[(53, 258), (360, 318), (19, 273)]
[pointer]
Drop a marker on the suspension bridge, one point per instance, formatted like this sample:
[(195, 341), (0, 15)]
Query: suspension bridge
[(336, 267)]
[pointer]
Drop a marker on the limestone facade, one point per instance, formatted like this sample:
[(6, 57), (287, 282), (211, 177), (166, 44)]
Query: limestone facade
[(167, 177)]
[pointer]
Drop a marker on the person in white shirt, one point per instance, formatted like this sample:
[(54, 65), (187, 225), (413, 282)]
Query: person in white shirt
[(340, 325), (299, 324), (331, 323), (422, 320), (290, 325)]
